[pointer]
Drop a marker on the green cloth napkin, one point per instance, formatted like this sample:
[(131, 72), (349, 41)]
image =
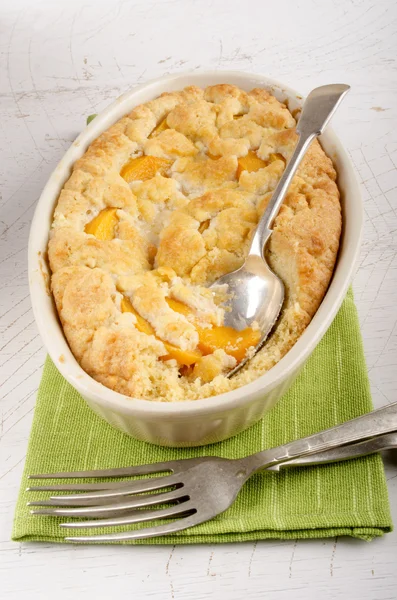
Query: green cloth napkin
[(341, 499)]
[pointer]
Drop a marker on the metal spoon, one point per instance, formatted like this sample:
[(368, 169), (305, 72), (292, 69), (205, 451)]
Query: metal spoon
[(257, 294)]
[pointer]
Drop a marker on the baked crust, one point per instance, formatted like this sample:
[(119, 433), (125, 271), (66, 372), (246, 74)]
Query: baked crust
[(181, 229)]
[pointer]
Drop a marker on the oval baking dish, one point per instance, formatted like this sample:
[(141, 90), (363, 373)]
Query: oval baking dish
[(218, 417)]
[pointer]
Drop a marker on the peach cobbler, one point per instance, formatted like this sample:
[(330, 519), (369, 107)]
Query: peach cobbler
[(160, 206)]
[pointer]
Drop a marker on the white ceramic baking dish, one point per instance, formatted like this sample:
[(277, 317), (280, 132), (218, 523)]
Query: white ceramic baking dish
[(210, 419)]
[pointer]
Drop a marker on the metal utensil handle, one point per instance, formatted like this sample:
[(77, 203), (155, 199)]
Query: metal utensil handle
[(377, 444), (377, 422), (318, 109)]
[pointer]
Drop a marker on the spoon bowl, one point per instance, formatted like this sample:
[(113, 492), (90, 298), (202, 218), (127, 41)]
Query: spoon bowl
[(257, 295)]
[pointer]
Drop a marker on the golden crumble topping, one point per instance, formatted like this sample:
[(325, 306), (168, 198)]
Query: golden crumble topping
[(161, 205)]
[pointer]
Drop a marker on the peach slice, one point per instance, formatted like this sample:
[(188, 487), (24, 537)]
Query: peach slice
[(183, 357), (141, 324), (276, 156), (233, 342), (144, 167), (162, 126), (102, 226), (179, 307), (250, 162)]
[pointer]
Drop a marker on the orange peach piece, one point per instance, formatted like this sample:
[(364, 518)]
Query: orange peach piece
[(277, 156), (162, 126), (250, 162), (179, 307), (141, 323), (235, 343), (102, 226), (183, 357), (144, 168)]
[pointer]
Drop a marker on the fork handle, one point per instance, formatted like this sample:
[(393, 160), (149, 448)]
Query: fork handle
[(380, 443), (377, 422)]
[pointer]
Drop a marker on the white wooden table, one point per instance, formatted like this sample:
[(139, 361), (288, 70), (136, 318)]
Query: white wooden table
[(59, 62)]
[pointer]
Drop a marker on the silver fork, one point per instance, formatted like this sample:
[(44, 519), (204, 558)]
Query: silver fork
[(198, 489)]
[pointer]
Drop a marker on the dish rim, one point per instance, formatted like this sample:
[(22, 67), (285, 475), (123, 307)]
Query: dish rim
[(51, 330)]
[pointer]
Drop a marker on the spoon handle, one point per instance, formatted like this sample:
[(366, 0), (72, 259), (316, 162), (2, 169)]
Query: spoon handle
[(317, 110)]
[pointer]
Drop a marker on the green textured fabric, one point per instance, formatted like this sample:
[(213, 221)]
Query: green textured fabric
[(342, 499), (91, 118)]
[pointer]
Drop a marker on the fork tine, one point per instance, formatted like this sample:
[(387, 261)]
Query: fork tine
[(78, 487), (145, 532), (136, 517), (134, 487), (107, 510), (120, 472)]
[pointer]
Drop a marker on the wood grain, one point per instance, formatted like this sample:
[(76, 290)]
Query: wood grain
[(59, 62)]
